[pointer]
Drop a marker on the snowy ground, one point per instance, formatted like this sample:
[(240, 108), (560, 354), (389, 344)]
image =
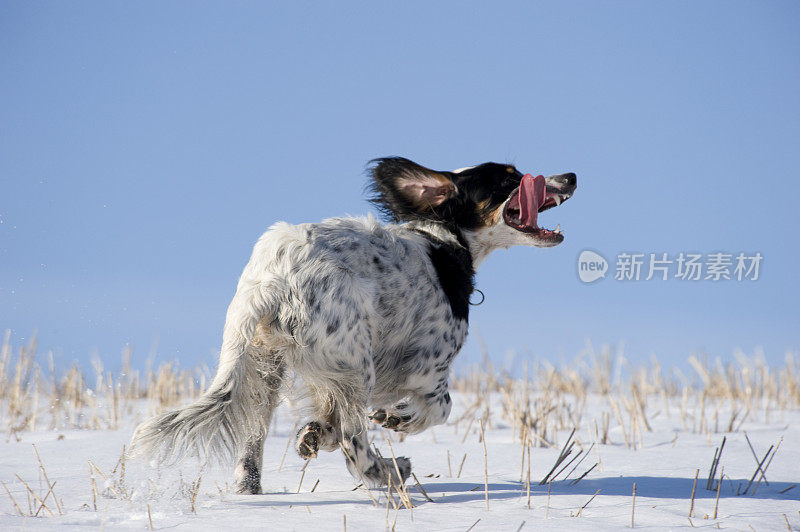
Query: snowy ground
[(663, 470)]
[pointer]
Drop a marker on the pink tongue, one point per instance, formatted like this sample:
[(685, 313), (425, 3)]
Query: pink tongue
[(531, 198)]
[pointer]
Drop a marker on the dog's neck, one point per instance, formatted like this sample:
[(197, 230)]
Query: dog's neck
[(479, 243), (450, 256), (440, 233)]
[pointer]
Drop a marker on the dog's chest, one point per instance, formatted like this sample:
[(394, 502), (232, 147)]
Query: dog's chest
[(420, 292), (421, 307)]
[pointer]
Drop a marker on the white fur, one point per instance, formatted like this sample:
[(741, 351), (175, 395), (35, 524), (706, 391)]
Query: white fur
[(351, 307)]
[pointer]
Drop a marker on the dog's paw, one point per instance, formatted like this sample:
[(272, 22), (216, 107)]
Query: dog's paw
[(307, 443), (404, 465), (383, 470), (248, 481), (248, 488), (397, 421), (315, 436), (378, 416)]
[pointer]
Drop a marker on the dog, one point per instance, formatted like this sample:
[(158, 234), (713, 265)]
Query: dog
[(366, 317)]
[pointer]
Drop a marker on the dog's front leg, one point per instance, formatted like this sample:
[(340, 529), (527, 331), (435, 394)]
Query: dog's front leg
[(370, 469), (316, 436), (416, 412)]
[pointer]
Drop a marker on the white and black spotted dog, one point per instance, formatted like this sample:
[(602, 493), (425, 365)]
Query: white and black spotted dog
[(366, 316)]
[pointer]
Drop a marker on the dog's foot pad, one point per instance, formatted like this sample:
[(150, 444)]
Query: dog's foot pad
[(308, 438), (391, 420), (378, 416)]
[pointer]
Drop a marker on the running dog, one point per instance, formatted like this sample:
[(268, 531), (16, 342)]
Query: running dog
[(366, 318)]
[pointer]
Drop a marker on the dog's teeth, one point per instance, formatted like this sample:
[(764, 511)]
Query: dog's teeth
[(557, 229), (557, 199)]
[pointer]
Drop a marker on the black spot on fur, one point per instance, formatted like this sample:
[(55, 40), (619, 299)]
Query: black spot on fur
[(332, 327)]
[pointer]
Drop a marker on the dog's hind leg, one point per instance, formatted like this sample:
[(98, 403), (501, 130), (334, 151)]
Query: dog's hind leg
[(248, 468), (267, 374)]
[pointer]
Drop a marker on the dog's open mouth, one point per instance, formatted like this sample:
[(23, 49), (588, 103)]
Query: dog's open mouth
[(523, 207)]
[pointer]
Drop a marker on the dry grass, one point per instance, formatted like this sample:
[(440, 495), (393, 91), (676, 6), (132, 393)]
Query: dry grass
[(712, 398), (717, 398), (32, 397)]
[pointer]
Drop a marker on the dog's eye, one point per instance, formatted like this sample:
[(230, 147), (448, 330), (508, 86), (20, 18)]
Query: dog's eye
[(511, 169)]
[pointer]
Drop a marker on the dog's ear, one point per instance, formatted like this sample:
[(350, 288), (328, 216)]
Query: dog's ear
[(404, 190)]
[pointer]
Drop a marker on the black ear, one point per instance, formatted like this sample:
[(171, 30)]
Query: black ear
[(404, 190)]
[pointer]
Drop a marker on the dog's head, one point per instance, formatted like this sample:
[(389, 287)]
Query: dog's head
[(495, 201)]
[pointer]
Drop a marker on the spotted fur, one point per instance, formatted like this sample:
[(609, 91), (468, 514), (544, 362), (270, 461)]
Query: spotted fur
[(367, 316)]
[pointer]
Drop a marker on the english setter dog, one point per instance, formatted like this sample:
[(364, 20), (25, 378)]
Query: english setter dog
[(367, 318)]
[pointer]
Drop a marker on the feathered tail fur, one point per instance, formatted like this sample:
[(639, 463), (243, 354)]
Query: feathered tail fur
[(237, 406)]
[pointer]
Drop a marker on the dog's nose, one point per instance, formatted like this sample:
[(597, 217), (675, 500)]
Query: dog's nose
[(566, 180)]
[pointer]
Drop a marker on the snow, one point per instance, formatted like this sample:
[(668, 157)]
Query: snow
[(663, 470)]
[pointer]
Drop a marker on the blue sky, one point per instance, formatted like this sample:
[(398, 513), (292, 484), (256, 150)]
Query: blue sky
[(144, 147)]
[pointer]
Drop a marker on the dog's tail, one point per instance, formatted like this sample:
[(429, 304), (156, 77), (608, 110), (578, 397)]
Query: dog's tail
[(236, 406)]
